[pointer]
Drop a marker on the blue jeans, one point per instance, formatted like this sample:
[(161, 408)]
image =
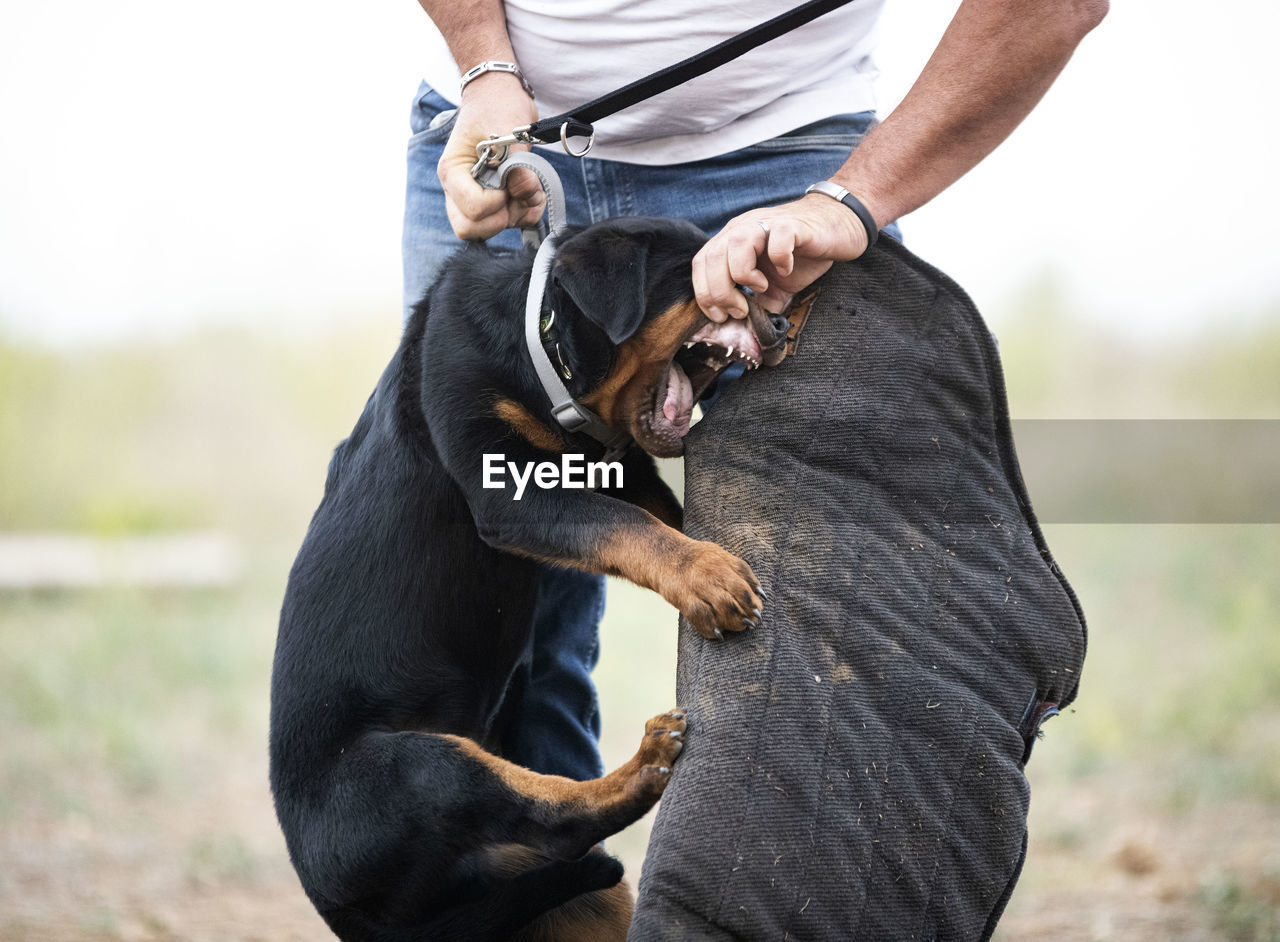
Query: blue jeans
[(558, 724)]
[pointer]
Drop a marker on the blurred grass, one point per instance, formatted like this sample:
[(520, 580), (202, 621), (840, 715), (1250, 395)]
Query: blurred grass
[(132, 782)]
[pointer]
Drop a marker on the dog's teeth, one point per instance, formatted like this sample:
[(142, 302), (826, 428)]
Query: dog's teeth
[(730, 353)]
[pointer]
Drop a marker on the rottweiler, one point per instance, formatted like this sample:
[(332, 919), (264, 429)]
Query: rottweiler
[(409, 607)]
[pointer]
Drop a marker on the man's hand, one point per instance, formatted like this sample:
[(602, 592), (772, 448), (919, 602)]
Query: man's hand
[(494, 103), (775, 252)]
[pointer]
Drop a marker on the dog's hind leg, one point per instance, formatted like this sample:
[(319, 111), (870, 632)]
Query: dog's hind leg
[(416, 833), (567, 818)]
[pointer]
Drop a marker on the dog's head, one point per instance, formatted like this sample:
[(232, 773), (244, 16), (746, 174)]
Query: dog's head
[(638, 347)]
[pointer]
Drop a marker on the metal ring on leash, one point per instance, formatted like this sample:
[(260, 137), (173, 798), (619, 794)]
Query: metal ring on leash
[(564, 142)]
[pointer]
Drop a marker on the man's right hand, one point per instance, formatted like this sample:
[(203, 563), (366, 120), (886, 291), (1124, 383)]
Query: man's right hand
[(494, 103)]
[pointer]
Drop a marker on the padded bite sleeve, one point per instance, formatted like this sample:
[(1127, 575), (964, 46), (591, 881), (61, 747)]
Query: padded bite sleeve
[(854, 768)]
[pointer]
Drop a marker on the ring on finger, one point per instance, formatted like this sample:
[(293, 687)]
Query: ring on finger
[(763, 225)]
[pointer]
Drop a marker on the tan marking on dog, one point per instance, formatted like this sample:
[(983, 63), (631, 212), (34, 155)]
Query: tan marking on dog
[(634, 781), (643, 358), (710, 586), (602, 916), (527, 427)]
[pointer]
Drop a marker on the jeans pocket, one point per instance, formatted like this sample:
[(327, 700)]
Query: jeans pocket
[(432, 117)]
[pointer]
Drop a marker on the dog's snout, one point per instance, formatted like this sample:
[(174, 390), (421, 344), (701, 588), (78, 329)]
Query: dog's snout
[(779, 324)]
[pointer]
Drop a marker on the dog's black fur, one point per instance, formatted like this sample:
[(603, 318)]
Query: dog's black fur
[(408, 609)]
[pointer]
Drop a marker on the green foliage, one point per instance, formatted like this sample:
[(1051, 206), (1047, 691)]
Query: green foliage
[(1243, 909), (1059, 366), (127, 681), (219, 429)]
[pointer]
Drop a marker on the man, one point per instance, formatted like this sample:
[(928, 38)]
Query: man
[(733, 152)]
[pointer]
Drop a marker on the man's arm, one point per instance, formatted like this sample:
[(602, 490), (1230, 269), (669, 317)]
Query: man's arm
[(494, 103), (993, 64)]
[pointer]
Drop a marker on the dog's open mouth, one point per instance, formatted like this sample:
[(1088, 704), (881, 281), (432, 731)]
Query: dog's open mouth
[(754, 341)]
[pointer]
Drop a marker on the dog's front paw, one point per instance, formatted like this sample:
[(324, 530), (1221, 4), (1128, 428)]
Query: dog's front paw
[(719, 593)]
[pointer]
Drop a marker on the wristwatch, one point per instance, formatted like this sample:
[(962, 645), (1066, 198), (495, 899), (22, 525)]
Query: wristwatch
[(837, 192)]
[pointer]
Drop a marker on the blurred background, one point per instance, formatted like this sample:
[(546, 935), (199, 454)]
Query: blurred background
[(199, 284)]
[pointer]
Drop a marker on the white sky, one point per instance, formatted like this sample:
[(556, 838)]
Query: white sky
[(163, 164)]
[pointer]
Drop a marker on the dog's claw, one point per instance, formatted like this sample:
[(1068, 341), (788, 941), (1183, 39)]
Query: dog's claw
[(748, 623), (762, 593), (719, 635)]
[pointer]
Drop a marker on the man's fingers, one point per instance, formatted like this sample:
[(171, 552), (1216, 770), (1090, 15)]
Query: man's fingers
[(528, 198), (525, 215), (702, 290), (476, 212), (729, 259), (782, 246), (524, 185), (472, 200), (746, 245), (484, 227), (719, 296)]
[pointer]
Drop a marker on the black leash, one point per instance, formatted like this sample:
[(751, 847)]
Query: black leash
[(578, 122), (580, 119)]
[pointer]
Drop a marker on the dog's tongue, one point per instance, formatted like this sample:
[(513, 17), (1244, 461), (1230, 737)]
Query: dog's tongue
[(678, 406)]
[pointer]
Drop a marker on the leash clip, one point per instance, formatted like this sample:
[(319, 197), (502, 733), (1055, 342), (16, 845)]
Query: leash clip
[(493, 151)]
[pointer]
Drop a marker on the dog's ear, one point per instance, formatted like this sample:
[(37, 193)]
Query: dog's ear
[(606, 270)]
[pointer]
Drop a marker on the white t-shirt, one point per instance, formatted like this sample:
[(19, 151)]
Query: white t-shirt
[(572, 51)]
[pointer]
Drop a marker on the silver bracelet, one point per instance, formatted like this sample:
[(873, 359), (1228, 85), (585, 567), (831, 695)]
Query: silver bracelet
[(510, 68)]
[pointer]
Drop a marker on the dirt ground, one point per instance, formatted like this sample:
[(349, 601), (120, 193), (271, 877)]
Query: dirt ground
[(210, 867)]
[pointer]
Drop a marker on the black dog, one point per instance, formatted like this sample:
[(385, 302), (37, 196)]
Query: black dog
[(408, 610)]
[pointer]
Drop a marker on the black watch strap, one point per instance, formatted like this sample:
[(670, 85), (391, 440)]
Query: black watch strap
[(837, 192)]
